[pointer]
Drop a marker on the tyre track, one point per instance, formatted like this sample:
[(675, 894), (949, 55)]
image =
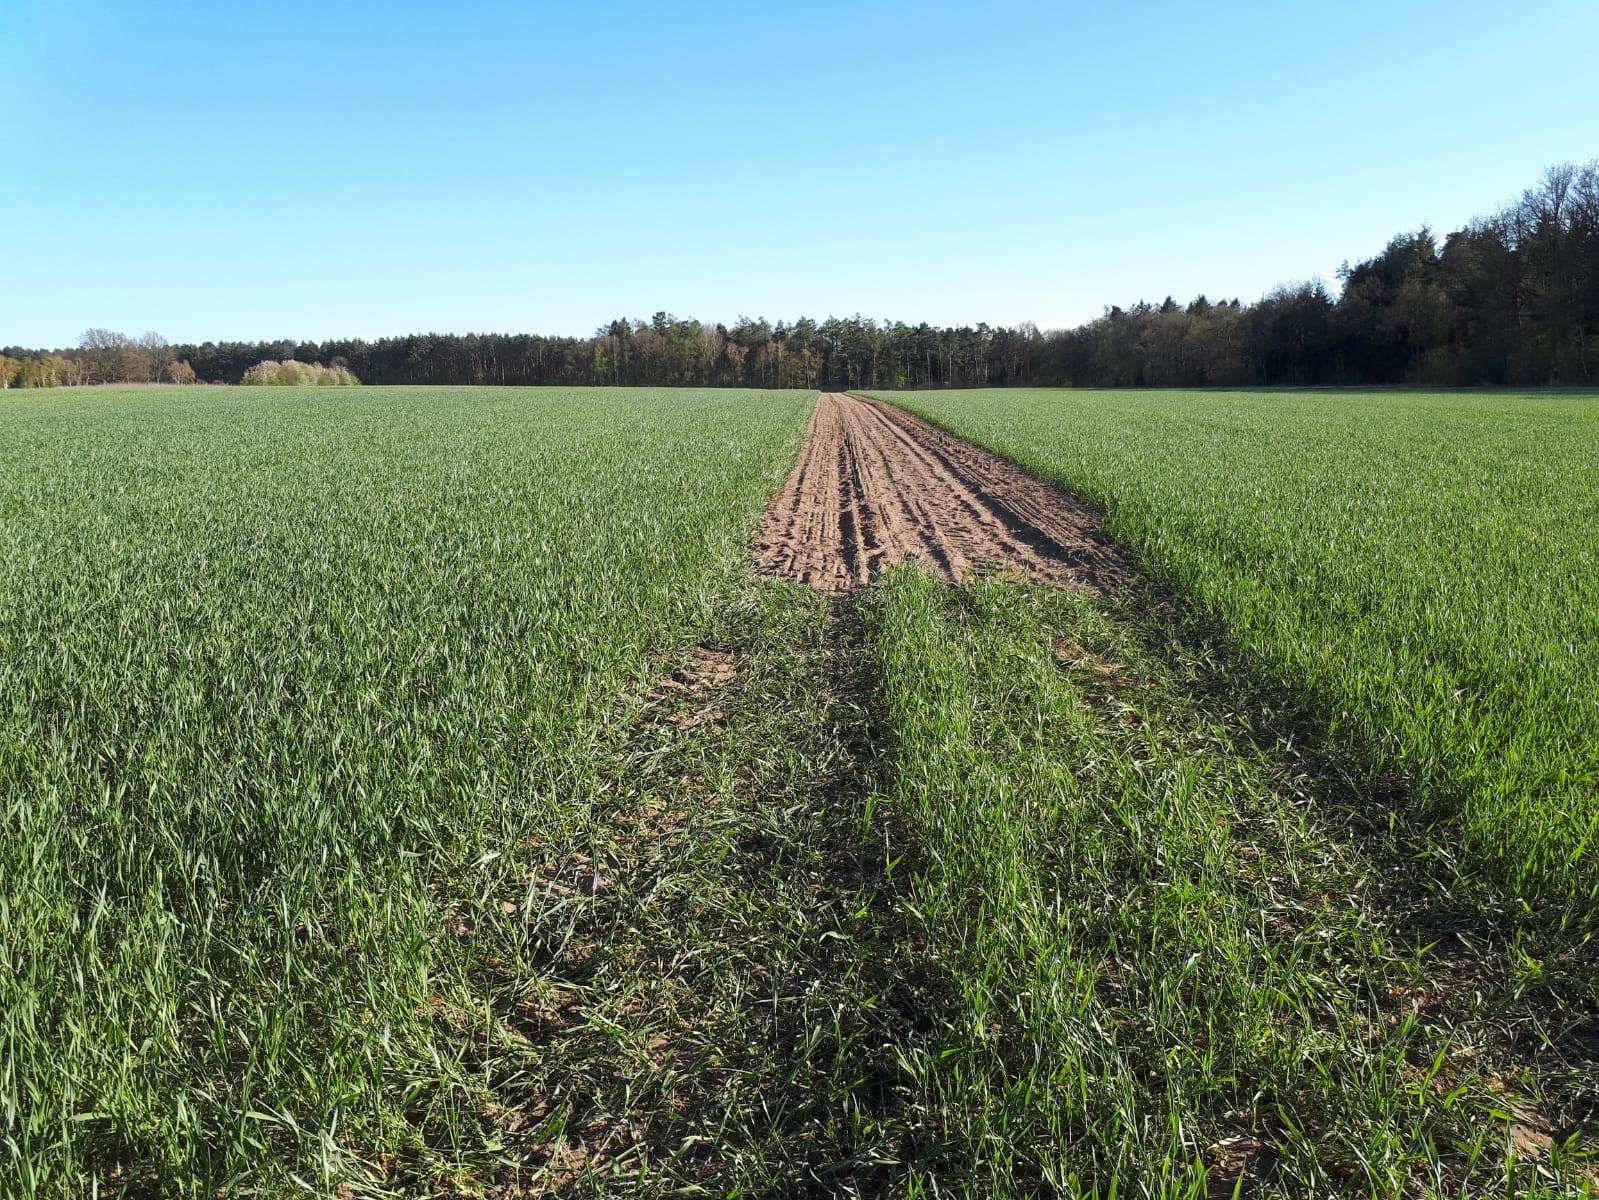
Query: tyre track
[(875, 484)]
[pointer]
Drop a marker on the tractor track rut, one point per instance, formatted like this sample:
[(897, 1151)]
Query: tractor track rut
[(876, 484)]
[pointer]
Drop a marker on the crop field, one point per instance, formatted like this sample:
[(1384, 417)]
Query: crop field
[(284, 683), (442, 792), (1421, 570)]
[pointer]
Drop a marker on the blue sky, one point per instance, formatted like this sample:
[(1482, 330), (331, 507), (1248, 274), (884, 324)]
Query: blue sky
[(255, 170)]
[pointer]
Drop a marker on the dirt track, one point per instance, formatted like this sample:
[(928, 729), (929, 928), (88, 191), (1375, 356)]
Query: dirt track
[(875, 484)]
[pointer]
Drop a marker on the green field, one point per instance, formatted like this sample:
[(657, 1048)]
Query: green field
[(416, 792), (284, 683), (1421, 571)]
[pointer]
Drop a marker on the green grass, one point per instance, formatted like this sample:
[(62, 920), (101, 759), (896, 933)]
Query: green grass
[(415, 793), (284, 680), (1175, 962), (1420, 570)]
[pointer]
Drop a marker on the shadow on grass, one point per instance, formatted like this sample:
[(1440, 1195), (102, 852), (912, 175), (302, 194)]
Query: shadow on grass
[(1513, 984), (720, 976)]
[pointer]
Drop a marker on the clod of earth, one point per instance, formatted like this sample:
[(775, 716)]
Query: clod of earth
[(875, 484)]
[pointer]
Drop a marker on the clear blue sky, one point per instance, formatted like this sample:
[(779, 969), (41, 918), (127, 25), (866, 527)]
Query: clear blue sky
[(255, 170)]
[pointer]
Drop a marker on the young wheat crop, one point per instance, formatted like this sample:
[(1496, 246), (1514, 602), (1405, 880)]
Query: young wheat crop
[(285, 678), (1420, 571)]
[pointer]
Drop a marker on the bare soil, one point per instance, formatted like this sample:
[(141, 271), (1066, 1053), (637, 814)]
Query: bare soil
[(875, 485)]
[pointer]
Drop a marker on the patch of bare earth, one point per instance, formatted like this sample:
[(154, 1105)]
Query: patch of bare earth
[(875, 485)]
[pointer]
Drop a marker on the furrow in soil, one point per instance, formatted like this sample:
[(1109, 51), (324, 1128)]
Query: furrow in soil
[(875, 485)]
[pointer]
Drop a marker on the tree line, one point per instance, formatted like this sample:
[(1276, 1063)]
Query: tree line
[(101, 356), (1512, 298)]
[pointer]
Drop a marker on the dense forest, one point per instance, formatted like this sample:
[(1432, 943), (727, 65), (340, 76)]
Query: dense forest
[(1510, 299)]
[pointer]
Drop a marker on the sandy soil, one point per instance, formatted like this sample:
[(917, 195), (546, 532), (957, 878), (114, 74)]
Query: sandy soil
[(875, 484)]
